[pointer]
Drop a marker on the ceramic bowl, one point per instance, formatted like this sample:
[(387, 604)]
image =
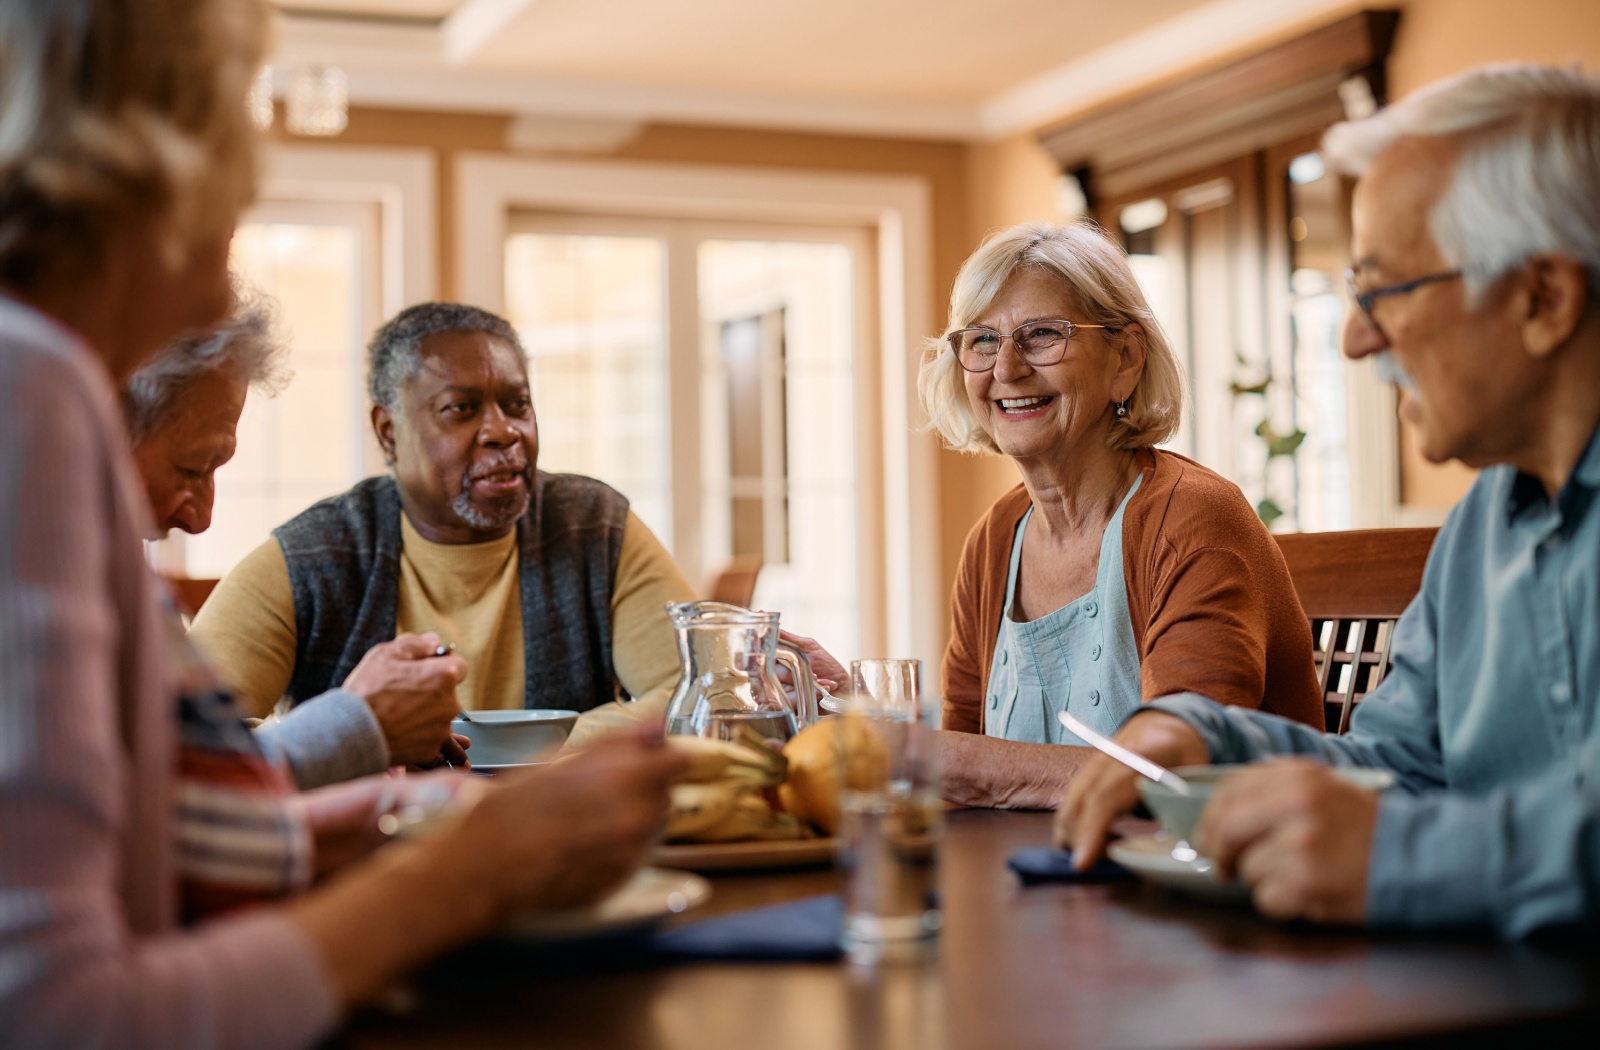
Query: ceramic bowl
[(1179, 814), (503, 738)]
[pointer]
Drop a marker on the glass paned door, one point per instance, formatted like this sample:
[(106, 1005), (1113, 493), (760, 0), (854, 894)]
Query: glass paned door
[(592, 314), (787, 445), (707, 371)]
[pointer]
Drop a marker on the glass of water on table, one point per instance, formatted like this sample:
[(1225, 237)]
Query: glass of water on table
[(891, 813)]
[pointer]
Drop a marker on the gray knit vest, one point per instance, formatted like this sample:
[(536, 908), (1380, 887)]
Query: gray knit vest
[(344, 568)]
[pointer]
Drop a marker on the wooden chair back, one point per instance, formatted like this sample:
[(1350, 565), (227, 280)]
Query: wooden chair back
[(736, 583), (190, 592), (1353, 586)]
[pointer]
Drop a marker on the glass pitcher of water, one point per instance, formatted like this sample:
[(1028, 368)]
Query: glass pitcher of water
[(730, 660)]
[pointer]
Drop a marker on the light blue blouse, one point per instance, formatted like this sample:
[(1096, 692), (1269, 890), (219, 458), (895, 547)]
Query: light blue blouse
[(1081, 658)]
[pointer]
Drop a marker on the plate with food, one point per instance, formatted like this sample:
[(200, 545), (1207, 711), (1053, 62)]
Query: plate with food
[(746, 804)]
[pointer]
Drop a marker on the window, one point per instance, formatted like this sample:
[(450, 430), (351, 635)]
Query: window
[(707, 371), (318, 261)]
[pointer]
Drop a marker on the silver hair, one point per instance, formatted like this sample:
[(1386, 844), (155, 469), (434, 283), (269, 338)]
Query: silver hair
[(245, 344), (392, 356), (1528, 177)]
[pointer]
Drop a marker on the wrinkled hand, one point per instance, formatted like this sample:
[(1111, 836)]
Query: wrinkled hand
[(1297, 834), (452, 754), (1105, 789), (830, 673), (343, 818), (569, 832), (412, 693)]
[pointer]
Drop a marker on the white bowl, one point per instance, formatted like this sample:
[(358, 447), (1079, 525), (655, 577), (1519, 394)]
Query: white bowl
[(502, 738)]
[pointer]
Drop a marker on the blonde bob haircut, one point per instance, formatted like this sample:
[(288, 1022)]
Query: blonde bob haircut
[(117, 113), (1097, 274)]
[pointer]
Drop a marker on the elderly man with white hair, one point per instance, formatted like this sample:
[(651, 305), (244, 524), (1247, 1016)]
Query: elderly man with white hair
[(182, 408), (1477, 287)]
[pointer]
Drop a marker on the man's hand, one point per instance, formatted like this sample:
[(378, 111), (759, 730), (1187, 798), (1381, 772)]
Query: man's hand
[(1300, 836), (569, 832), (412, 693), (1105, 789)]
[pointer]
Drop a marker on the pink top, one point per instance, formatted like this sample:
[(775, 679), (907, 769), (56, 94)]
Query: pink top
[(90, 951)]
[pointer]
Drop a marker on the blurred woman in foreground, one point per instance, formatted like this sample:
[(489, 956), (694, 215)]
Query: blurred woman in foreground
[(129, 793)]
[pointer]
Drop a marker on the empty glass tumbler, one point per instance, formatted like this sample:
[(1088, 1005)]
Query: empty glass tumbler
[(891, 812)]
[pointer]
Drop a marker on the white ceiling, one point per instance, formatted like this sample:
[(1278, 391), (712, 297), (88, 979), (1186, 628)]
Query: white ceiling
[(936, 68), (947, 51), (403, 9)]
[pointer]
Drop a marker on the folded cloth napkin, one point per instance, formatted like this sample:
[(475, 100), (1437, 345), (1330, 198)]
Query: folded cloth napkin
[(805, 930), (1055, 865)]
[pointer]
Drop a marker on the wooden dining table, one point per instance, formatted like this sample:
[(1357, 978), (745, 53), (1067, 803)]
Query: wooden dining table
[(1104, 965)]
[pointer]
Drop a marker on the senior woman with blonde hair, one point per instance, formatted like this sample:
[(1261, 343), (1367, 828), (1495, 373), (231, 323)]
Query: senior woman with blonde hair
[(135, 810), (1117, 572)]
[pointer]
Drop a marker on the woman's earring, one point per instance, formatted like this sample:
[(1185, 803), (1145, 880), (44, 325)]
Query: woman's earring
[(1122, 409)]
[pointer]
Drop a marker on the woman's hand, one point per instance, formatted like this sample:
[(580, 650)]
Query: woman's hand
[(829, 673), (1105, 789)]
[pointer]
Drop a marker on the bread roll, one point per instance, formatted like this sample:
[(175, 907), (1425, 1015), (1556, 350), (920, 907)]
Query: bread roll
[(815, 769)]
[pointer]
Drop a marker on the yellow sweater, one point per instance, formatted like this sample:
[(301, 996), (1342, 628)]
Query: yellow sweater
[(467, 594)]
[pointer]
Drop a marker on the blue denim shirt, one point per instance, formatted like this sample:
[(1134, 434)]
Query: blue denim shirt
[(1488, 717)]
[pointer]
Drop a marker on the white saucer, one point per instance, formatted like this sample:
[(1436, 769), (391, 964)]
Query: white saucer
[(1150, 857), (651, 895)]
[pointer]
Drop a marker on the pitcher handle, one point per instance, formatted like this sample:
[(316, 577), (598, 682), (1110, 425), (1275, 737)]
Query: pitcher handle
[(805, 683)]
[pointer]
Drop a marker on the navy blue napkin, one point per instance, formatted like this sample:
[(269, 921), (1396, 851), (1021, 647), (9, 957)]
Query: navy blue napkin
[(805, 930), (1055, 865)]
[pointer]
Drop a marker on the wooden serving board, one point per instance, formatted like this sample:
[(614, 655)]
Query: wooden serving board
[(744, 856)]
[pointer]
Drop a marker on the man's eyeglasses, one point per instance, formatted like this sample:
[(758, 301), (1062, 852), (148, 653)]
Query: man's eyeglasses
[(1365, 300), (1037, 342)]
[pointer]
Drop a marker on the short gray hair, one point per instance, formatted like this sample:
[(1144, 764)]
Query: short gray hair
[(393, 358), (245, 344), (1527, 177), (1096, 271)]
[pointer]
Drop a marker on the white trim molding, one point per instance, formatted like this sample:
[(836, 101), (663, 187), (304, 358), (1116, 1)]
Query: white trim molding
[(401, 182), (489, 187)]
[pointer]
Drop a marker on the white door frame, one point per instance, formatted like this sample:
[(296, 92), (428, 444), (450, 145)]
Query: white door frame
[(401, 182), (897, 208)]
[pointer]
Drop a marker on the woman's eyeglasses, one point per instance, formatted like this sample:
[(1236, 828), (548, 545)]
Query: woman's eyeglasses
[(1037, 342)]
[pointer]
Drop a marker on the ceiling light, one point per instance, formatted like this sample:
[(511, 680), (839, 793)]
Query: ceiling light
[(258, 103), (319, 101)]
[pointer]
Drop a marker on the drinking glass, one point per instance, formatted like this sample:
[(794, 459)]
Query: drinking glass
[(891, 813)]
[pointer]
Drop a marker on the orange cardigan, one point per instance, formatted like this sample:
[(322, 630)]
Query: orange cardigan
[(1209, 594)]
